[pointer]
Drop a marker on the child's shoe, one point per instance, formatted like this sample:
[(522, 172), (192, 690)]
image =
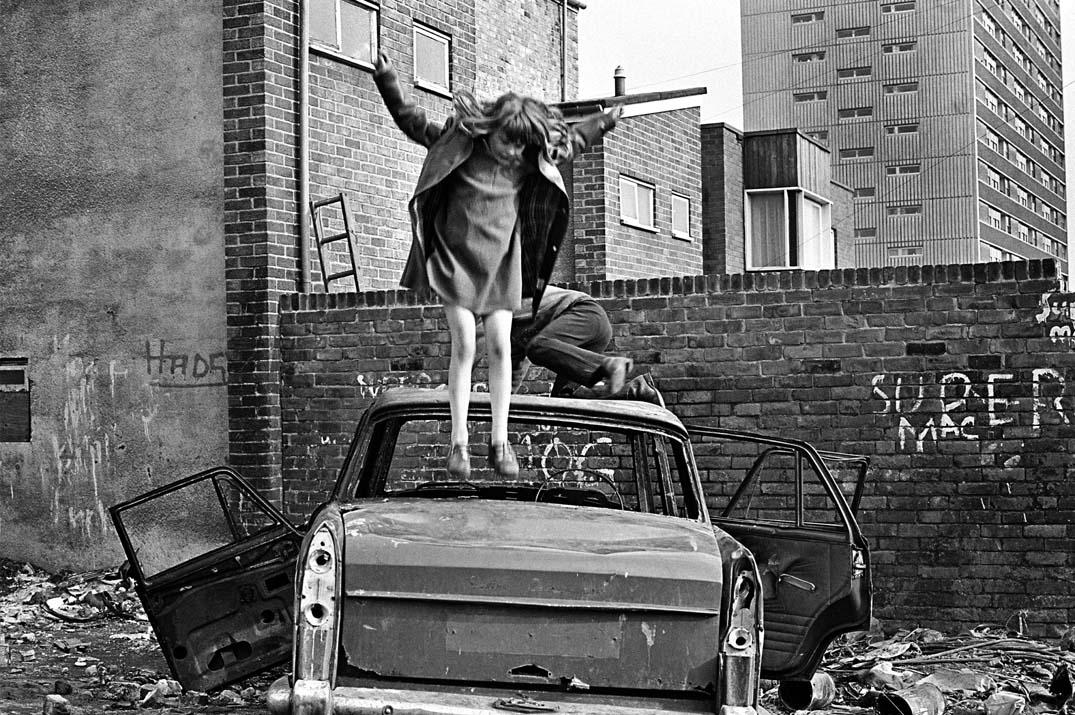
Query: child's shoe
[(502, 460), (459, 462)]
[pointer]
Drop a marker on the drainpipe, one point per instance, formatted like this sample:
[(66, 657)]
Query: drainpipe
[(304, 146), (563, 50)]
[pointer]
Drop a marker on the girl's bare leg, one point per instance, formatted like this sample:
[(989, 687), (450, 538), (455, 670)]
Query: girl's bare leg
[(462, 328), (498, 346)]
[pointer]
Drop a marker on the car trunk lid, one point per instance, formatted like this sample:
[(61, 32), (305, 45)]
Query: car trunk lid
[(550, 595)]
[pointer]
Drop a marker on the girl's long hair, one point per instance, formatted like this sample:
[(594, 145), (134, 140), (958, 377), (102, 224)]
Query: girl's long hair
[(523, 120)]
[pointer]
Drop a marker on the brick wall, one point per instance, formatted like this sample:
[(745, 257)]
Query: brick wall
[(519, 48), (260, 222), (722, 200), (355, 149), (662, 149), (957, 381)]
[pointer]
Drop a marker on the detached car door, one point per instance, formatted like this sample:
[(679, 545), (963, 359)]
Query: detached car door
[(779, 498), (213, 564)]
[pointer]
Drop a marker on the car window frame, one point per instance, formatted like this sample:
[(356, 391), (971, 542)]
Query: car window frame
[(370, 460), (192, 564)]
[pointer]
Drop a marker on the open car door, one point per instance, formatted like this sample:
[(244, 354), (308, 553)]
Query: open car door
[(778, 497), (213, 564)]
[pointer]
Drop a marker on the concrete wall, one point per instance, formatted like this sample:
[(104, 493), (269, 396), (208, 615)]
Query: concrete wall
[(958, 381), (111, 284)]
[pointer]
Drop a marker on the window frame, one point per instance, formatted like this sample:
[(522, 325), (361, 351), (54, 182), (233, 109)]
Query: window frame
[(854, 73), (893, 130), (337, 52), (801, 196), (905, 87), (897, 211), (817, 95), (846, 33), (685, 235), (432, 33), (637, 222)]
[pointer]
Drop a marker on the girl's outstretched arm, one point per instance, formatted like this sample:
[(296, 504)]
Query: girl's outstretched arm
[(585, 133), (405, 111)]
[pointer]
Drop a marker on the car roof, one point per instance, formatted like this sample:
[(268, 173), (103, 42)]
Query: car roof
[(394, 401)]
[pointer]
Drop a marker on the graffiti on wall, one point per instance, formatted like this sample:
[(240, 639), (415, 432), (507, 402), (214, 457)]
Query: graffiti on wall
[(1056, 317), (931, 407), (175, 368)]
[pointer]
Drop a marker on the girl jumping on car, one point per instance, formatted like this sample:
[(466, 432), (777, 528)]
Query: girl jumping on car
[(488, 216)]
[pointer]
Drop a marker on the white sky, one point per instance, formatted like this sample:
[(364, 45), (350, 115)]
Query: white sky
[(674, 44)]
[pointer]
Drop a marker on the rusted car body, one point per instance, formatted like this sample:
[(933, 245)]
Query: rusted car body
[(603, 580)]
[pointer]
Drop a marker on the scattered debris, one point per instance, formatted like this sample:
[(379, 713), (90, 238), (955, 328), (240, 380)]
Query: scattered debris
[(987, 670)]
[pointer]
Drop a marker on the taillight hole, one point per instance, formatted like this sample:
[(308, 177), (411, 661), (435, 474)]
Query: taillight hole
[(179, 652), (316, 614), (267, 616), (320, 561)]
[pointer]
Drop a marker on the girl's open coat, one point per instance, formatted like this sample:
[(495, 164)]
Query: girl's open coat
[(544, 204)]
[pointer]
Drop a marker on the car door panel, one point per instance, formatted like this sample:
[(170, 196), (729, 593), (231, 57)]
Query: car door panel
[(782, 503), (214, 566)]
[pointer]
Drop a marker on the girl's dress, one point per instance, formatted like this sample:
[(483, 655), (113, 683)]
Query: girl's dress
[(475, 258)]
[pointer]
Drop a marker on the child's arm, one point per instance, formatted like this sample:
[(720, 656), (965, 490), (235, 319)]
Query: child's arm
[(408, 115), (585, 133)]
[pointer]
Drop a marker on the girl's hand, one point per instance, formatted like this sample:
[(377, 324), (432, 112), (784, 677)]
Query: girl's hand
[(615, 113), (383, 64)]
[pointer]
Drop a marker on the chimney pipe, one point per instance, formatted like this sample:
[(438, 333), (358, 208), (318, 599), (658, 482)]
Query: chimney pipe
[(619, 81)]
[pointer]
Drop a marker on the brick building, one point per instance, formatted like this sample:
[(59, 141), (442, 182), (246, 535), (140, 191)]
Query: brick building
[(151, 221)]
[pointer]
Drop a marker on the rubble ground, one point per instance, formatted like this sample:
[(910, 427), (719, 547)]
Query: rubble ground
[(986, 670), (80, 643)]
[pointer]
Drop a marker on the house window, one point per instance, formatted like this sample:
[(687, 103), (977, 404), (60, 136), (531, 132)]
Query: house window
[(818, 96), (681, 216), (346, 28), (902, 169), (821, 135), (893, 7), (905, 210), (865, 192), (853, 72), (857, 152), (846, 32), (868, 232), (14, 400), (905, 252), (854, 112), (808, 57), (636, 203), (431, 58), (909, 128), (788, 228), (901, 88), (805, 18), (899, 48)]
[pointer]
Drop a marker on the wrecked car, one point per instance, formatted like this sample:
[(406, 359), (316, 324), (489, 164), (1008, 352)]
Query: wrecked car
[(633, 566)]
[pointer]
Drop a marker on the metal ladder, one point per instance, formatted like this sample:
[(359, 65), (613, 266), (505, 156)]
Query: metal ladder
[(346, 235)]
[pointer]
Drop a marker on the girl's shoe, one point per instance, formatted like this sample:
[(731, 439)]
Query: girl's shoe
[(459, 462), (502, 460)]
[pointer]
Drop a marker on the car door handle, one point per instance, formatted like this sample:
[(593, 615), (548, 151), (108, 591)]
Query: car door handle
[(796, 582)]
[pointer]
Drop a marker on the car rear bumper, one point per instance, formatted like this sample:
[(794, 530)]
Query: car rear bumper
[(310, 697)]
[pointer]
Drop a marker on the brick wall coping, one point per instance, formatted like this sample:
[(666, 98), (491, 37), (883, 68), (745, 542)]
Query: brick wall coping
[(716, 283)]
